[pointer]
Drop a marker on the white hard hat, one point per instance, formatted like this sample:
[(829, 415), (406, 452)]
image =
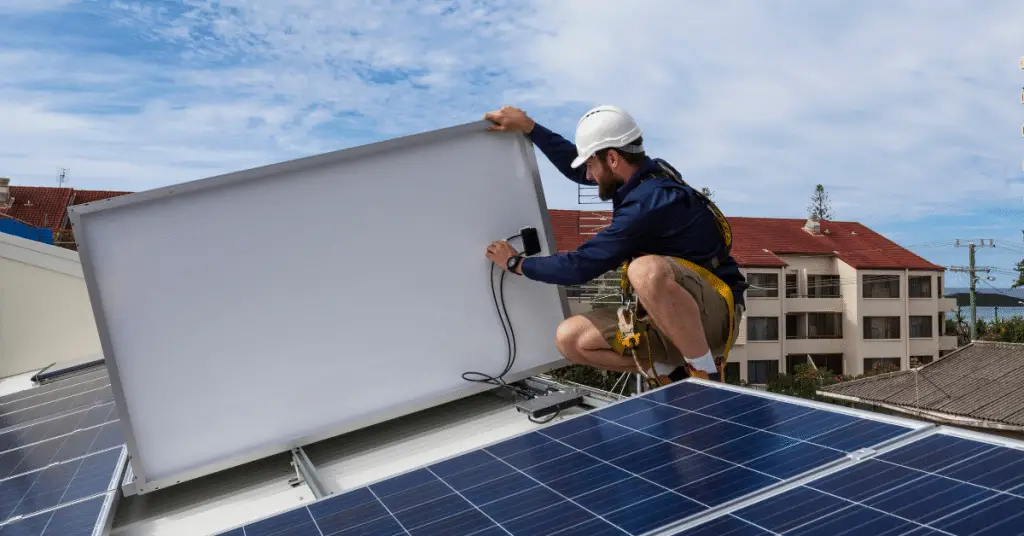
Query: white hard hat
[(604, 127)]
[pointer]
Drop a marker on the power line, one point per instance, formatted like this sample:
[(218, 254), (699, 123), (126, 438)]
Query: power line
[(972, 271)]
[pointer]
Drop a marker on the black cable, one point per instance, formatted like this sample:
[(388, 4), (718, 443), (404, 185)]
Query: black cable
[(510, 338)]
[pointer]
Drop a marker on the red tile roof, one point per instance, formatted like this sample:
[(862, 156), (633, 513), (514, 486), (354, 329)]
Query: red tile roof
[(39, 206), (88, 196), (758, 242)]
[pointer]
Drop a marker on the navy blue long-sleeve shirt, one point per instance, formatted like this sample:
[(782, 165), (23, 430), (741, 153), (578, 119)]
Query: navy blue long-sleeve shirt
[(654, 216)]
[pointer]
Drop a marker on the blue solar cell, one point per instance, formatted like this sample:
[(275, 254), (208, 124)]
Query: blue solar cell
[(61, 483), (56, 407), (940, 484), (78, 519), (628, 468)]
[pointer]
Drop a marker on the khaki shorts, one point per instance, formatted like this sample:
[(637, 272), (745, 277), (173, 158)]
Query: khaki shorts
[(714, 317)]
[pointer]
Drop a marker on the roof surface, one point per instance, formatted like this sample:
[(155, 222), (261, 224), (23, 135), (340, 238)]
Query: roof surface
[(758, 242), (39, 206), (983, 381)]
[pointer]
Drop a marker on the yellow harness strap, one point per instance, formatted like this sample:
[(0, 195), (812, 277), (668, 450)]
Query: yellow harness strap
[(720, 287)]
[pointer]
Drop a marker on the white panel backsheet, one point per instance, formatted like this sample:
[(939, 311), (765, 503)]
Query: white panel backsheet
[(244, 314)]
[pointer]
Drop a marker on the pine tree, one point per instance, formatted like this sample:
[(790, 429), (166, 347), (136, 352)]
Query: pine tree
[(820, 207), (1020, 274)]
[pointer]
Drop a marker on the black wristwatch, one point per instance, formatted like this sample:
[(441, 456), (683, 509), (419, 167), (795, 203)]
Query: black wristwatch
[(513, 263)]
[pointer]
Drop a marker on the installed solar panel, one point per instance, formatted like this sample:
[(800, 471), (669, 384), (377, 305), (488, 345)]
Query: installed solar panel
[(56, 407), (628, 468), (76, 519), (55, 386), (50, 396), (61, 483), (937, 484), (21, 436)]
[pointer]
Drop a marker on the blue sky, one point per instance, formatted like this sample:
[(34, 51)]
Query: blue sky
[(909, 113)]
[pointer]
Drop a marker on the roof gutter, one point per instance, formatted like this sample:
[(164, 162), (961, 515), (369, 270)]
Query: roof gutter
[(944, 418)]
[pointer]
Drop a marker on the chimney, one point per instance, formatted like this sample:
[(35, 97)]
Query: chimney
[(5, 193), (812, 225)]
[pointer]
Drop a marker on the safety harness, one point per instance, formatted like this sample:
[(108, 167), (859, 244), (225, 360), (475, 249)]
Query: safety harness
[(633, 325)]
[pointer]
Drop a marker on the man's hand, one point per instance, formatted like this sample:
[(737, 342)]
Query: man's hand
[(509, 119), (500, 252)]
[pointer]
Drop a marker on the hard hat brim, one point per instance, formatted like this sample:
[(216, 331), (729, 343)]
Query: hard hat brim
[(580, 160)]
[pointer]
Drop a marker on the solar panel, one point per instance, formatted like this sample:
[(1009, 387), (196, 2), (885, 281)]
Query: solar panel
[(14, 438), (631, 467), (51, 396), (55, 386), (76, 519), (941, 483), (56, 407), (61, 483)]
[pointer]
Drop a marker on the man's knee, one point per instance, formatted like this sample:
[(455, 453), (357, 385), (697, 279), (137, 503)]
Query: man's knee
[(574, 336), (649, 273)]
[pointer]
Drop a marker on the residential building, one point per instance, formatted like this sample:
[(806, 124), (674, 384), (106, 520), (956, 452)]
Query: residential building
[(47, 208), (833, 293)]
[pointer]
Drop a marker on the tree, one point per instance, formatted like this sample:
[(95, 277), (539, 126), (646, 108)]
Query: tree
[(707, 192), (819, 206), (1020, 274)]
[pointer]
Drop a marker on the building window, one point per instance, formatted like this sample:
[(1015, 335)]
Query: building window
[(831, 362), (921, 327), (792, 287), (872, 362), (762, 371), (881, 327), (920, 360), (796, 326), (824, 325), (732, 372), (763, 285), (881, 286), (938, 287), (763, 328), (823, 286), (920, 286)]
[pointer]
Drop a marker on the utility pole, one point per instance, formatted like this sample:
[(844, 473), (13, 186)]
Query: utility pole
[(971, 270)]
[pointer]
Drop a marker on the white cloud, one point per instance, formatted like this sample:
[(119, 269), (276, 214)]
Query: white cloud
[(896, 107)]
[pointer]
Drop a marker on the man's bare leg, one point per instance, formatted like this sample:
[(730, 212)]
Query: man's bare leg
[(671, 308), (581, 343)]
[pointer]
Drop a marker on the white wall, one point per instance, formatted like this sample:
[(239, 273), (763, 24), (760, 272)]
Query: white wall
[(45, 313)]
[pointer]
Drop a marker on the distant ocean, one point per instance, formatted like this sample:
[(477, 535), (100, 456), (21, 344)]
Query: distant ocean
[(989, 313)]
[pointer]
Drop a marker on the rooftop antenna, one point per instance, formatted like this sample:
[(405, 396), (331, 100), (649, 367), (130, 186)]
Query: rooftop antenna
[(62, 177)]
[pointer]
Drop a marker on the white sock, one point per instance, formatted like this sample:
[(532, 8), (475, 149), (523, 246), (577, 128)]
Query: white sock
[(705, 362)]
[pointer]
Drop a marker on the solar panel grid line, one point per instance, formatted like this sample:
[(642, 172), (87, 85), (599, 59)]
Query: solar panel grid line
[(92, 390), (53, 386), (46, 428), (812, 404), (938, 502), (55, 408), (60, 484), (491, 519), (752, 495), (386, 509), (40, 398), (60, 427), (785, 486), (91, 516), (756, 429), (753, 402)]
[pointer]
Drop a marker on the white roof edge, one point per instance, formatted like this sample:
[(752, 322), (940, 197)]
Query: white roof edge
[(40, 255)]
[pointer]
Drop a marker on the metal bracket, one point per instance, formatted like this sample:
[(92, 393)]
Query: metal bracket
[(306, 472)]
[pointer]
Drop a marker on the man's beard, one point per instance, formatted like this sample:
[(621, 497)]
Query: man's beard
[(606, 190)]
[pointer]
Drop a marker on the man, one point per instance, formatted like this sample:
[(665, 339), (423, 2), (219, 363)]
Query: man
[(678, 265)]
